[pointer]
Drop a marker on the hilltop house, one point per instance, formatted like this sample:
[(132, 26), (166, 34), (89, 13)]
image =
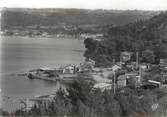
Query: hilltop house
[(125, 56)]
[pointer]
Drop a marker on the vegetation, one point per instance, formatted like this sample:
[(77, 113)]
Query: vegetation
[(69, 22), (82, 101), (137, 36), (4, 113)]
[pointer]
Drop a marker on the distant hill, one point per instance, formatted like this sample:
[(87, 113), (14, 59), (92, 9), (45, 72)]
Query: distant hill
[(55, 17)]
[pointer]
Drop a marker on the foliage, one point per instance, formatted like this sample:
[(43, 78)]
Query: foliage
[(148, 56), (82, 101), (3, 113), (137, 36)]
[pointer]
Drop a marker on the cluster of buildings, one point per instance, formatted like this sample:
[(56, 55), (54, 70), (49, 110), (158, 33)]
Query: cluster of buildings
[(63, 31), (125, 73), (62, 73), (121, 74)]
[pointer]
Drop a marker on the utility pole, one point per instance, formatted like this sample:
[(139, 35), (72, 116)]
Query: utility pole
[(140, 75), (120, 60), (114, 82), (137, 59)]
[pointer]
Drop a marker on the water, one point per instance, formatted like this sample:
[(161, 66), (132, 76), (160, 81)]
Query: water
[(20, 54)]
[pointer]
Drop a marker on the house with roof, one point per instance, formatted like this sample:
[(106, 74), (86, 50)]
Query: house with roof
[(145, 66), (133, 79), (69, 69), (115, 68), (125, 56)]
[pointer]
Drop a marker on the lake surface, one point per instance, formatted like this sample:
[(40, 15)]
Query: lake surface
[(20, 54)]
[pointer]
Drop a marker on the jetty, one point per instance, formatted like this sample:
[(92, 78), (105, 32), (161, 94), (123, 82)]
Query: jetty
[(65, 74)]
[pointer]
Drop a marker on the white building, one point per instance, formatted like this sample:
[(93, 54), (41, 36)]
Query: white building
[(103, 86)]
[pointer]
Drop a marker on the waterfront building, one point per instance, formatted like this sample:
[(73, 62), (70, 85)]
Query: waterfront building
[(69, 69)]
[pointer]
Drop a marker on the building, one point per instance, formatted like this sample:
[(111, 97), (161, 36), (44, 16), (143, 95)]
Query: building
[(151, 84), (145, 66), (163, 61), (131, 66), (121, 81), (69, 69), (156, 83), (125, 56), (103, 86), (133, 79), (87, 66), (115, 68)]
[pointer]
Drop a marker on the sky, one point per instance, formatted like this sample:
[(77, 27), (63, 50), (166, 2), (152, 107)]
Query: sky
[(88, 4)]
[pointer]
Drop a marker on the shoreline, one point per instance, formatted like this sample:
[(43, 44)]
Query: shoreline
[(42, 37), (18, 84)]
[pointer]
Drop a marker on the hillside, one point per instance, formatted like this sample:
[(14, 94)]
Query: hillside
[(55, 17), (137, 36)]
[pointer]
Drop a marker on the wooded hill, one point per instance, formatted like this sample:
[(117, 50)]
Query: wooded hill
[(137, 36)]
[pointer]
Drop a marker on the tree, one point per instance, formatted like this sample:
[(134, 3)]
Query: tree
[(148, 56)]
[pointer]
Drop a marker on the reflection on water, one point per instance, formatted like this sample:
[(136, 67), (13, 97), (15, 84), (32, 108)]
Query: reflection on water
[(20, 55)]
